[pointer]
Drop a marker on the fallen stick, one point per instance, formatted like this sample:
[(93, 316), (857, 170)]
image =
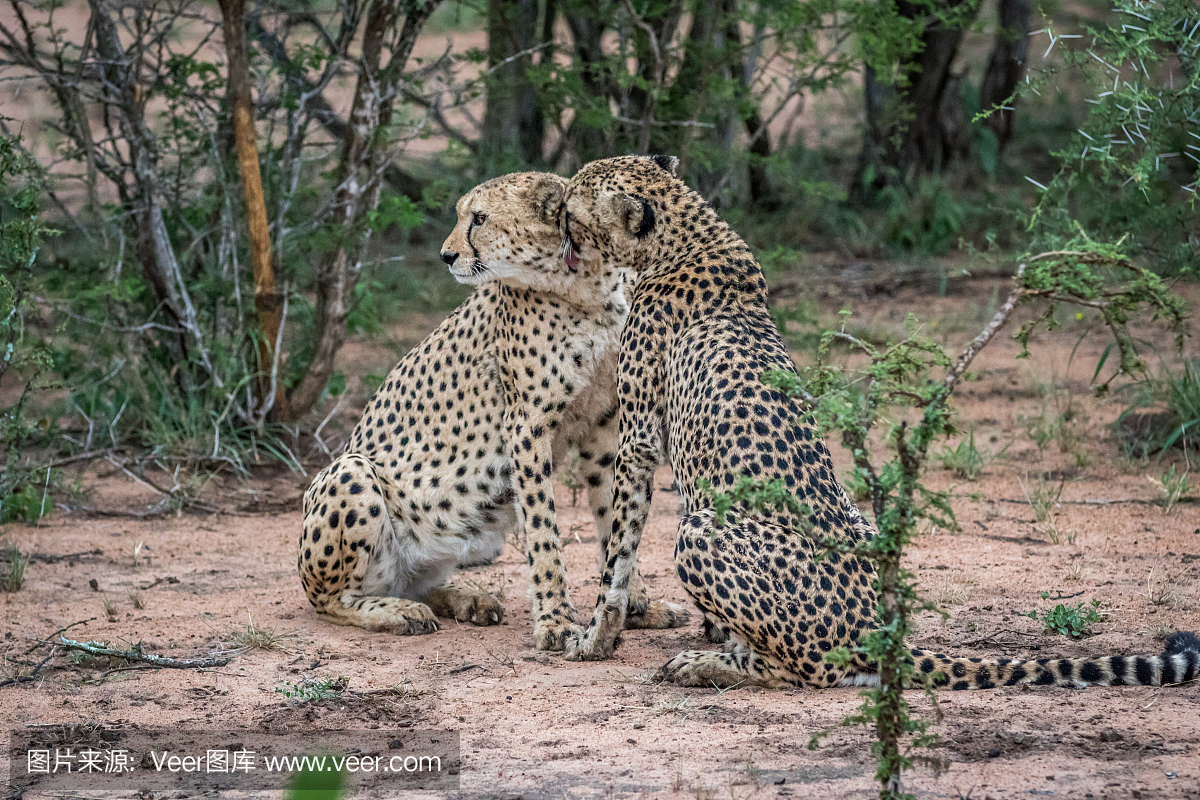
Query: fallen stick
[(160, 509), (145, 658), (992, 637), (1099, 501), (49, 559), (44, 642), (28, 678), (170, 579), (90, 454)]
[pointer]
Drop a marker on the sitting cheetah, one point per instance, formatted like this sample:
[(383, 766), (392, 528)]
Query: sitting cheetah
[(698, 338), (459, 442)]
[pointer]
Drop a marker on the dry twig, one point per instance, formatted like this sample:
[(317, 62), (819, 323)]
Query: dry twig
[(28, 678), (136, 654)]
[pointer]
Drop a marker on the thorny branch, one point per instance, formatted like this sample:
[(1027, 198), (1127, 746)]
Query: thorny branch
[(136, 654)]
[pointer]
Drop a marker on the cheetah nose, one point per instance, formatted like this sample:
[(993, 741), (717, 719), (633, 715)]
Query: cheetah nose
[(449, 258)]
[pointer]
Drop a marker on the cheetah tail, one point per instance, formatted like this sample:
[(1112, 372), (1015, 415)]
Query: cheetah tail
[(1179, 662)]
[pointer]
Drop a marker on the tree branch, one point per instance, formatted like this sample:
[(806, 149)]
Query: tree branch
[(956, 372), (136, 654)]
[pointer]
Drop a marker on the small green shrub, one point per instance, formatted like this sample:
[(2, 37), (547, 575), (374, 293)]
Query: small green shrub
[(308, 690), (572, 478), (926, 219), (1173, 487), (1174, 416), (313, 783), (12, 570), (1073, 621), (21, 496), (23, 356), (965, 461)]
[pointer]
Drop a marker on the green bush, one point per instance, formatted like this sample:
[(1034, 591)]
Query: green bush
[(1129, 172), (24, 359), (1164, 413), (1073, 621)]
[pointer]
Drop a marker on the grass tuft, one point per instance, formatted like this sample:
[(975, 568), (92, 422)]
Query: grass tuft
[(12, 570), (955, 593), (1162, 590), (252, 637), (965, 461), (1172, 486)]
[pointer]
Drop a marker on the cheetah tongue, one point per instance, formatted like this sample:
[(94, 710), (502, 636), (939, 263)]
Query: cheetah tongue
[(571, 257)]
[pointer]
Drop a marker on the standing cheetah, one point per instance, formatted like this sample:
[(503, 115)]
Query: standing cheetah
[(458, 445), (697, 341)]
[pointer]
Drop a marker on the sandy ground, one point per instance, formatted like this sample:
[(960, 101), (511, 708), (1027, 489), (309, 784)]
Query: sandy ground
[(533, 725)]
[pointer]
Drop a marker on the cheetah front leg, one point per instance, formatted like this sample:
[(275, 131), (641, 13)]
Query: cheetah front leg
[(633, 475), (532, 452), (597, 454)]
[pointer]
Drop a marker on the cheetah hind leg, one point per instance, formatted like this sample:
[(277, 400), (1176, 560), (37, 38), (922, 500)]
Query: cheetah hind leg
[(465, 605), (392, 614), (741, 667), (649, 614), (349, 551)]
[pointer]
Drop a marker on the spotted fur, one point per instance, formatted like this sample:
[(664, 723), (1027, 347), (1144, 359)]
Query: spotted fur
[(697, 341), (457, 447)]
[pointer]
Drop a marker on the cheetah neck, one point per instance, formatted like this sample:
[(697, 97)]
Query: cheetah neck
[(599, 293), (702, 250)]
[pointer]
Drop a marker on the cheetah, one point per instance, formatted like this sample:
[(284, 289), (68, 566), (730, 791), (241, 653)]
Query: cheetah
[(457, 447), (696, 342)]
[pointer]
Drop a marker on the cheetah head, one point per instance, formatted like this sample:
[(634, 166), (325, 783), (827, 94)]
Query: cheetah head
[(508, 229), (609, 208)]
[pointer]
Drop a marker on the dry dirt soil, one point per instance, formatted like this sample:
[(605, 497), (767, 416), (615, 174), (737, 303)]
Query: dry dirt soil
[(536, 726)]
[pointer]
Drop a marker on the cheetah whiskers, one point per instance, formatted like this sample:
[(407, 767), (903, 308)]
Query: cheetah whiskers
[(566, 250)]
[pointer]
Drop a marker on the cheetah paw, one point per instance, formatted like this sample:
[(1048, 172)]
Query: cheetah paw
[(555, 634), (418, 620), (685, 669), (477, 608), (600, 639), (656, 615)]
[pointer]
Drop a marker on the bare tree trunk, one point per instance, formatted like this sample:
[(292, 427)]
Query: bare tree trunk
[(512, 122), (272, 403), (364, 155), (660, 21), (587, 31), (685, 96), (154, 249), (1005, 67), (917, 128), (756, 127)]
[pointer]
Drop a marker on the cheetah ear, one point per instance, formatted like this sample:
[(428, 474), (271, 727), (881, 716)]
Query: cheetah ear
[(669, 163), (546, 195), (636, 215)]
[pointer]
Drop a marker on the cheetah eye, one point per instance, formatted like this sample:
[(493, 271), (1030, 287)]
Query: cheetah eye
[(478, 218)]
